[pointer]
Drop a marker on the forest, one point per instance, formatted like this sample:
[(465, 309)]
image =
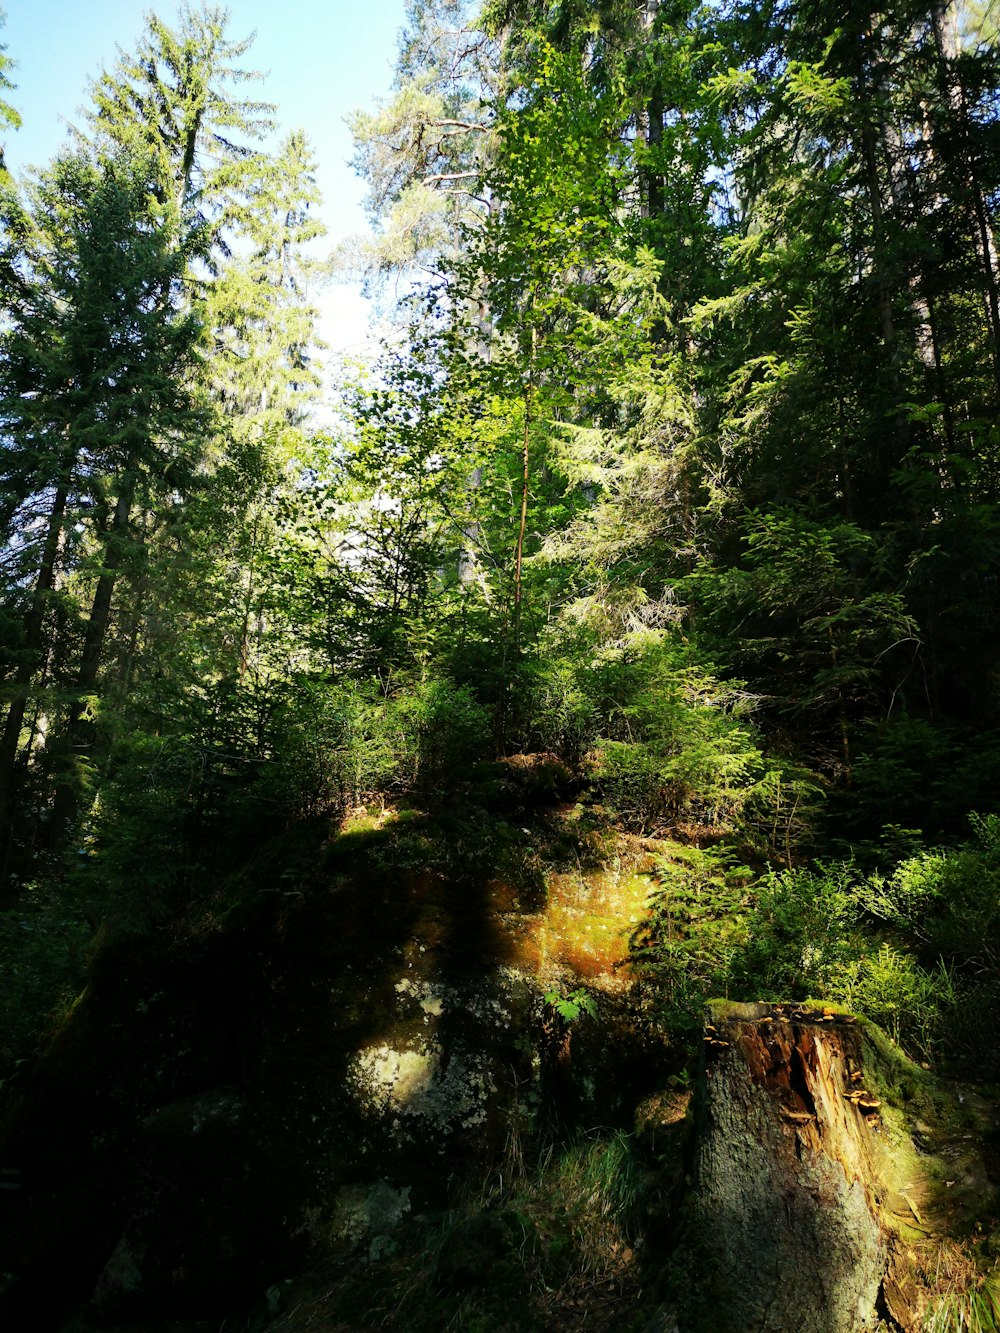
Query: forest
[(383, 801)]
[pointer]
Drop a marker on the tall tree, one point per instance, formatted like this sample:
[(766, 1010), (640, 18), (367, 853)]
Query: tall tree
[(10, 118), (175, 97), (425, 152), (96, 405)]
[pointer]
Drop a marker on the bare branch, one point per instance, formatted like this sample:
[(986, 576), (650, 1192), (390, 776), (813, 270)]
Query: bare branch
[(452, 176), (461, 125)]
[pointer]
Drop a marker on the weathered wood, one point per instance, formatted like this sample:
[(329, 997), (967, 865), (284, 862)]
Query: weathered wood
[(791, 1176)]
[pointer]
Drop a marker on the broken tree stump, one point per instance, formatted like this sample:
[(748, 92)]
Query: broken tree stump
[(790, 1226)]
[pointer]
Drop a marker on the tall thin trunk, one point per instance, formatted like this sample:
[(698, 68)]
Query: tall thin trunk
[(654, 123), (75, 740), (244, 646), (525, 489), (33, 635), (948, 49), (884, 281)]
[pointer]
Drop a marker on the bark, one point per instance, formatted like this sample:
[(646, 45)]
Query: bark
[(948, 50), (654, 123), (794, 1173), (76, 739), (32, 660), (33, 636), (885, 280), (522, 523)]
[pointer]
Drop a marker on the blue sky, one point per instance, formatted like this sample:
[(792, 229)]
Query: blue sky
[(323, 58)]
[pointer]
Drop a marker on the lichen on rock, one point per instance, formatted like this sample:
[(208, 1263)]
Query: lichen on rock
[(419, 1084)]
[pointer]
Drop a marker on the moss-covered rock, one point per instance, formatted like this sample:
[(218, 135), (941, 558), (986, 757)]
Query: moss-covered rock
[(307, 1062)]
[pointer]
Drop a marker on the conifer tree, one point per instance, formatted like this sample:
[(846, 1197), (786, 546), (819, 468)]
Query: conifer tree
[(9, 116), (176, 98), (425, 153), (259, 310), (95, 401)]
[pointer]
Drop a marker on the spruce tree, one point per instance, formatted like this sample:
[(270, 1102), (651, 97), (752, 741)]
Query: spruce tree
[(96, 404), (9, 116)]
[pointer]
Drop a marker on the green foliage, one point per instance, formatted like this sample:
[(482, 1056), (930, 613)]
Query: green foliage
[(571, 1006), (810, 627), (913, 1004), (696, 919), (806, 936), (936, 773), (176, 96), (948, 901), (561, 715), (684, 471), (9, 117), (182, 810), (802, 934), (928, 977), (44, 946), (676, 744), (449, 731)]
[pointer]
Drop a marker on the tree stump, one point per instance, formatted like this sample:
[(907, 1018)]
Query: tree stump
[(789, 1227)]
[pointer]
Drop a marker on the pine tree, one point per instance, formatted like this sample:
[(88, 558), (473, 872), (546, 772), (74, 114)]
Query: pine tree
[(259, 310), (175, 99), (425, 152), (9, 116), (96, 404)]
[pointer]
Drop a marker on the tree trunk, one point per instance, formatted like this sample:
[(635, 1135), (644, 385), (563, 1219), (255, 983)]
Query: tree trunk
[(75, 741), (10, 740), (33, 626), (948, 44), (522, 523), (795, 1177), (654, 124)]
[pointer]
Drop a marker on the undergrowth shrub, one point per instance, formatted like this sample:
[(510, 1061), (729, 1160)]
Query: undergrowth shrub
[(912, 1003), (948, 901), (802, 934), (944, 905), (695, 921), (562, 717), (442, 730), (668, 741), (809, 936), (44, 942), (917, 951), (246, 762)]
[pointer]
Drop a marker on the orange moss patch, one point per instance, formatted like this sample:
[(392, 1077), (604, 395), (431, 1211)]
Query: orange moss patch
[(585, 926), (502, 896)]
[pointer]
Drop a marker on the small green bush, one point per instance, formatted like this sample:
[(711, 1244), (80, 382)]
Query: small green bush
[(685, 945), (443, 731), (903, 998), (675, 743), (802, 934)]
